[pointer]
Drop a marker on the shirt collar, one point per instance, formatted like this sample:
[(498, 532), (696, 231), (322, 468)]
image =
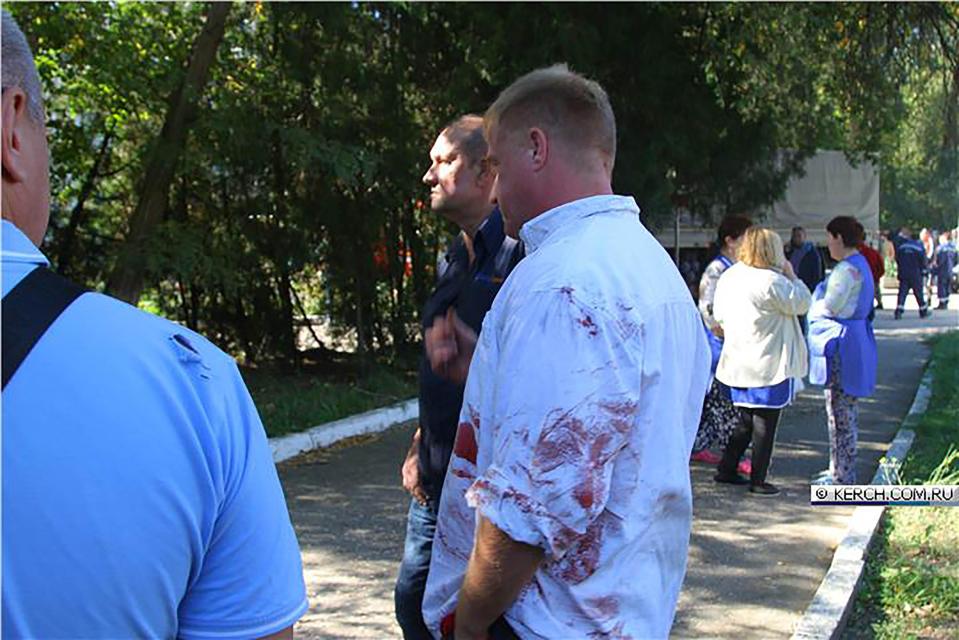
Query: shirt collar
[(490, 234), (535, 232), (18, 248)]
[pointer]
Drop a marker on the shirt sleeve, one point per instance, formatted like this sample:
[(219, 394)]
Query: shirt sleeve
[(707, 293), (566, 398), (839, 289), (790, 297), (250, 583)]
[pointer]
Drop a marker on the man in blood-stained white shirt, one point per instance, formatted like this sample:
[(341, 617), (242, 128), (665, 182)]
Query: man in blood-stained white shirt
[(566, 508)]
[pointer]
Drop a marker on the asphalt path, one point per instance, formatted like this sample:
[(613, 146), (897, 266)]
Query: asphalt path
[(754, 563)]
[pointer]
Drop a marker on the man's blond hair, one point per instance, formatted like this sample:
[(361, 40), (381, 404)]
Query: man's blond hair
[(562, 103), (761, 248)]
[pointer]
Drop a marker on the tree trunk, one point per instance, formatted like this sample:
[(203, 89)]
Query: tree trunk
[(126, 281), (278, 247), (79, 213)]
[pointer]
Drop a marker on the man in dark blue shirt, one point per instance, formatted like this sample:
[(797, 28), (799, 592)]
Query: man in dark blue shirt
[(805, 258), (945, 261), (468, 278), (911, 264)]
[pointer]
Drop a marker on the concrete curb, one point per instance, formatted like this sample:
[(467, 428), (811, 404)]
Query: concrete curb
[(829, 610), (324, 435)]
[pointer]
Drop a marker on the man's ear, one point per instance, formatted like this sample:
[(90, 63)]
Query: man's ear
[(538, 148), (13, 117), (484, 174)]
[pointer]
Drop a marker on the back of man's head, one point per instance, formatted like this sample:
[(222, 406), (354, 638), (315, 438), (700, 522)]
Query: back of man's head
[(26, 171), (19, 69), (570, 108)]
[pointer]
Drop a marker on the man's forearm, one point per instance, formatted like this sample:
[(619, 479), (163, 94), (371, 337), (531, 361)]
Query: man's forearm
[(498, 569)]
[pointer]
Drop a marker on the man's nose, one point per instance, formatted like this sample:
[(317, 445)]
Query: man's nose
[(428, 178), (493, 193)]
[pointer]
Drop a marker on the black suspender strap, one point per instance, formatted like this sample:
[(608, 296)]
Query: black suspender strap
[(29, 310)]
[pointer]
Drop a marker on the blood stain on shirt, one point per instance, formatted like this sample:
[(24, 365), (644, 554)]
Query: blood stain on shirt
[(621, 413), (616, 633), (462, 473), (606, 606), (465, 443), (587, 322), (582, 558), (584, 495), (561, 442)]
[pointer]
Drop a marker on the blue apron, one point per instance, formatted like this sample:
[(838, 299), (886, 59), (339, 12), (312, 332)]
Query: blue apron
[(715, 342), (852, 339)]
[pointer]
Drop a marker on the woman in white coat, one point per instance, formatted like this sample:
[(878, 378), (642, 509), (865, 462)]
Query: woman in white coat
[(757, 303)]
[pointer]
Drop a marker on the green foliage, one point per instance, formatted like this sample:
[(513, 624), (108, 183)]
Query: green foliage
[(911, 583), (298, 193), (290, 402)]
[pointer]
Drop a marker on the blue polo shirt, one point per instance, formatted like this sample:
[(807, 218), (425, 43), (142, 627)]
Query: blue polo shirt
[(140, 499)]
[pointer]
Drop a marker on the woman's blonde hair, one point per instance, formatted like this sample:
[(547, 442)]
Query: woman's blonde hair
[(761, 248)]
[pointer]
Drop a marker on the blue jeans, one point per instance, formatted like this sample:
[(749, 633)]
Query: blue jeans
[(411, 581)]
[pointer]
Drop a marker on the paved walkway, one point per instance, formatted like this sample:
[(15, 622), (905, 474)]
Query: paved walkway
[(754, 563)]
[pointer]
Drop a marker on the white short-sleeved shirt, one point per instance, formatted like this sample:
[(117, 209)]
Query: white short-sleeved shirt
[(580, 411), (140, 498)]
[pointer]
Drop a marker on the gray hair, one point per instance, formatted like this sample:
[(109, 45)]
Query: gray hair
[(19, 69)]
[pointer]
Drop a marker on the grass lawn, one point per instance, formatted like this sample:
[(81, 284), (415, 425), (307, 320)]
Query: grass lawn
[(911, 584), (318, 393)]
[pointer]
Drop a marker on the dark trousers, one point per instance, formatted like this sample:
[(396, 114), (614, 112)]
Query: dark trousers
[(942, 287), (500, 630), (411, 581), (758, 425), (915, 284)]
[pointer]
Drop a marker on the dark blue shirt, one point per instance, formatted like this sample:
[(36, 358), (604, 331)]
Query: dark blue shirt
[(945, 260), (807, 263), (470, 290), (911, 259)]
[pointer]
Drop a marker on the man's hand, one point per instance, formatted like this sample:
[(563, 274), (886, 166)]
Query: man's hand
[(498, 569), (717, 331), (411, 471), (450, 343)]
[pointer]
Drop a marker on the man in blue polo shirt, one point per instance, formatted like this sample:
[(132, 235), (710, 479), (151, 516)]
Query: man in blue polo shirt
[(470, 275), (140, 499)]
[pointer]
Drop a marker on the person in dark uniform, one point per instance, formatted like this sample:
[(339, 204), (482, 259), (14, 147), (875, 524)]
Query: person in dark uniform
[(806, 262), (804, 258), (468, 278), (911, 264), (945, 262)]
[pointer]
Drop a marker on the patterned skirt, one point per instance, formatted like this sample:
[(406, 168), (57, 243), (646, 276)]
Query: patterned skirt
[(718, 420)]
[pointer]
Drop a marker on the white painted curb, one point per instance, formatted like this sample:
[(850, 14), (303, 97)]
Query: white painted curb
[(826, 616), (324, 435)]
